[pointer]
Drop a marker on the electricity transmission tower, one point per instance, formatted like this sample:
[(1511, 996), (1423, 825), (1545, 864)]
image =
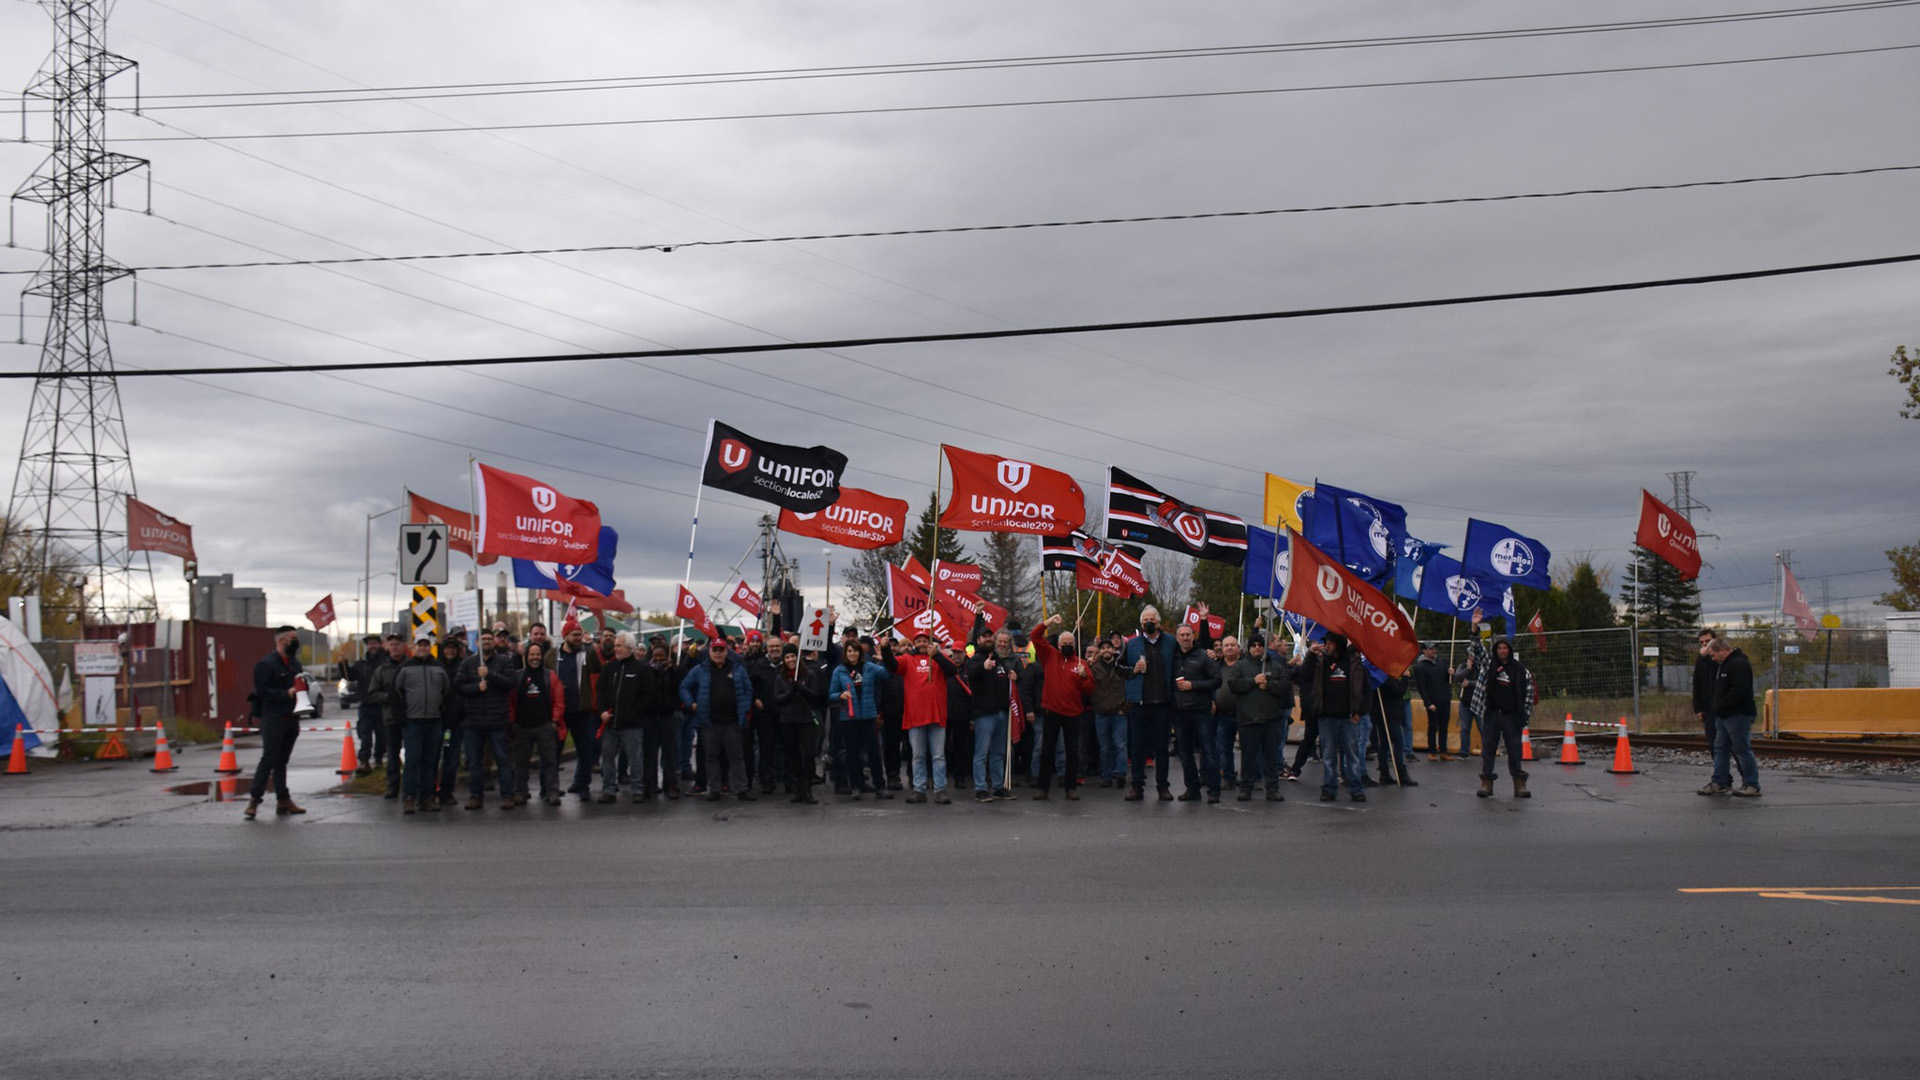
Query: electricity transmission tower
[(68, 507)]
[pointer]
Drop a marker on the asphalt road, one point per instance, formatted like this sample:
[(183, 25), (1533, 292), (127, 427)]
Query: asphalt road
[(1428, 933)]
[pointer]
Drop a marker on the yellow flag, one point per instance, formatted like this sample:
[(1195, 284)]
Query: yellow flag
[(1283, 503)]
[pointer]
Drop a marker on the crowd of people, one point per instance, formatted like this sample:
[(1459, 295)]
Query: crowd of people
[(923, 720)]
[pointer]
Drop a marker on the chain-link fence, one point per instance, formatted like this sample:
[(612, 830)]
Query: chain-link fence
[(1646, 676)]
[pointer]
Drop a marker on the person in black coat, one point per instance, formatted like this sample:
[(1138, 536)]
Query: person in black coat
[(273, 695), (799, 696), (1436, 699), (1705, 667), (1196, 678)]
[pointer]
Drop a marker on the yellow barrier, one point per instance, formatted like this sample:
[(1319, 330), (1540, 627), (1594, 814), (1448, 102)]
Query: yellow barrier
[(1845, 713)]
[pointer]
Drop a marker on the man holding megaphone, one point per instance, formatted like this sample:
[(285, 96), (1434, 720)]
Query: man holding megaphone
[(278, 684)]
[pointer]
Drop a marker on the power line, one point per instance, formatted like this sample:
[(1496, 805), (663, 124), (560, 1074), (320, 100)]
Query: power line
[(1041, 331), (1027, 103), (501, 88), (667, 248)]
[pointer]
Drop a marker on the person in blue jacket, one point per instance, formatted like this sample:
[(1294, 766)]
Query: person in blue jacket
[(1148, 660), (853, 698), (720, 696)]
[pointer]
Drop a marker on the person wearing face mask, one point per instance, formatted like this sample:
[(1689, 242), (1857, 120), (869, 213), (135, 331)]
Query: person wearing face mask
[(486, 683), (853, 698), (381, 693), (1109, 703), (1148, 662), (797, 698), (993, 675), (272, 698), (657, 769), (1262, 686), (625, 696), (1065, 689)]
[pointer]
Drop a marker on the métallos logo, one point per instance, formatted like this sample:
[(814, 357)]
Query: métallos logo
[(734, 455), (1014, 475), (1512, 558)]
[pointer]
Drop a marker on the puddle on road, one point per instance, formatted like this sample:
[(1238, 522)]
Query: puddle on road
[(220, 790)]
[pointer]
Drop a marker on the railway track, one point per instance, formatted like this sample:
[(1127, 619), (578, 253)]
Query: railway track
[(1838, 751)]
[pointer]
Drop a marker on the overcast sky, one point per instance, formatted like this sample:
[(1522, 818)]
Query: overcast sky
[(1546, 415)]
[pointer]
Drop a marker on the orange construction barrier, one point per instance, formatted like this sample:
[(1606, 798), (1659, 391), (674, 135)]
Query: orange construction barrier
[(1569, 748), (162, 753), (1526, 744), (17, 761), (349, 762), (230, 762), (1622, 753)]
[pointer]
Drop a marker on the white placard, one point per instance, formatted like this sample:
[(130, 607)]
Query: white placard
[(100, 701), (814, 623), (96, 658)]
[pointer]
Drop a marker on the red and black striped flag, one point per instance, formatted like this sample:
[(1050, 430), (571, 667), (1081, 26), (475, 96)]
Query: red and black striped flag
[(1139, 512)]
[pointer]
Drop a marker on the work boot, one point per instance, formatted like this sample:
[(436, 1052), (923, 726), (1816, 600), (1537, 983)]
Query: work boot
[(1748, 791), (1486, 787), (1714, 789), (286, 807), (473, 803), (1133, 795), (253, 808), (1520, 788), (407, 806), (938, 797)]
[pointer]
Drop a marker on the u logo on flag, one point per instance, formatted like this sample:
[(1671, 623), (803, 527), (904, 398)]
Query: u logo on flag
[(1014, 475)]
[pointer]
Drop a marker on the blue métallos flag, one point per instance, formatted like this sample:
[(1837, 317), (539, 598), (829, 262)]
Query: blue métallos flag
[(1497, 553), (596, 575), (1363, 532), (1266, 571), (1414, 554), (1446, 588)]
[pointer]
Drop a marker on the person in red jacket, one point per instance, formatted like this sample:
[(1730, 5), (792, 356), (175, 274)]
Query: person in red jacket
[(923, 675), (539, 709), (1066, 688)]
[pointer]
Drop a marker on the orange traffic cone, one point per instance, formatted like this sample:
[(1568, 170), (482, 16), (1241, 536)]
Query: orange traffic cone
[(162, 754), (1569, 748), (1526, 744), (349, 762), (17, 761), (229, 761), (1622, 753)]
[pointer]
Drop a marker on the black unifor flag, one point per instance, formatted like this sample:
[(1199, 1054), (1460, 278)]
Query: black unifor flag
[(1141, 513), (800, 478)]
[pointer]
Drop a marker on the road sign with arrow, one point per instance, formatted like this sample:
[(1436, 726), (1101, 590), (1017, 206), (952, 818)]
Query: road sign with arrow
[(423, 554)]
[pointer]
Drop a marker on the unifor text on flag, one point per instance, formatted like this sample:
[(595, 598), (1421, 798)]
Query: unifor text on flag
[(1139, 512), (1325, 592), (424, 511), (798, 478), (1668, 535), (998, 494), (150, 530), (527, 519), (859, 519)]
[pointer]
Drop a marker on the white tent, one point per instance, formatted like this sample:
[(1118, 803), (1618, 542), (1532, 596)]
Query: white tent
[(27, 695)]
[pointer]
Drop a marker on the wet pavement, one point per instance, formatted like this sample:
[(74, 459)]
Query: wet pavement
[(1426, 931)]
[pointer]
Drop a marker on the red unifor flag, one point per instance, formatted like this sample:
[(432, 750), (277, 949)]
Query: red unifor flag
[(1216, 625), (689, 609), (321, 614), (1668, 535), (965, 577), (424, 511), (996, 494), (1090, 577), (1794, 606), (1539, 631), (960, 608), (582, 596), (746, 599), (1016, 716), (906, 597), (150, 530), (527, 519), (858, 519), (1320, 590)]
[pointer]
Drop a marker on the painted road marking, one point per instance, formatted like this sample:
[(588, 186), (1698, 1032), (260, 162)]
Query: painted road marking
[(1831, 893)]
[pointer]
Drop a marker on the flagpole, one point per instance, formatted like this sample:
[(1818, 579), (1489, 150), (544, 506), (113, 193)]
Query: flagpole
[(680, 634), (1099, 611), (939, 477)]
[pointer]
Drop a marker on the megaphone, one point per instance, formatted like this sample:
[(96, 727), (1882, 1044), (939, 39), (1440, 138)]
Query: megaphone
[(302, 705)]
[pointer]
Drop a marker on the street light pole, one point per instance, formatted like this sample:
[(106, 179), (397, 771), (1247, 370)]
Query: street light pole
[(366, 596)]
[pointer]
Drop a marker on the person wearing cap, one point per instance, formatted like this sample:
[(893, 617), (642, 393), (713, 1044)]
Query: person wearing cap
[(1262, 686), (1109, 705), (1339, 690), (370, 723), (1066, 688), (539, 716), (453, 652), (380, 693), (626, 690), (273, 696), (486, 683), (798, 695), (993, 674), (720, 696), (577, 666), (1436, 700), (923, 674), (422, 688)]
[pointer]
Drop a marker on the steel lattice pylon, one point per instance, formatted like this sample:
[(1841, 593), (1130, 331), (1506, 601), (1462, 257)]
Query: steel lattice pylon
[(69, 494)]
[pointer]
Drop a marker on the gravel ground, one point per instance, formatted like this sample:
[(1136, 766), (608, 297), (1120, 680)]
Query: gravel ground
[(1805, 766)]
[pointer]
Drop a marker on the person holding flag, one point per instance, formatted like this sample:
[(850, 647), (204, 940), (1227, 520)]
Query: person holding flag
[(1339, 681), (1065, 689), (922, 675), (854, 695)]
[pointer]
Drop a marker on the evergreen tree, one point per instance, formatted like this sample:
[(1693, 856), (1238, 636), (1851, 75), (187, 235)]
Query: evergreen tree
[(1588, 605), (1666, 607), (928, 541), (1009, 575)]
